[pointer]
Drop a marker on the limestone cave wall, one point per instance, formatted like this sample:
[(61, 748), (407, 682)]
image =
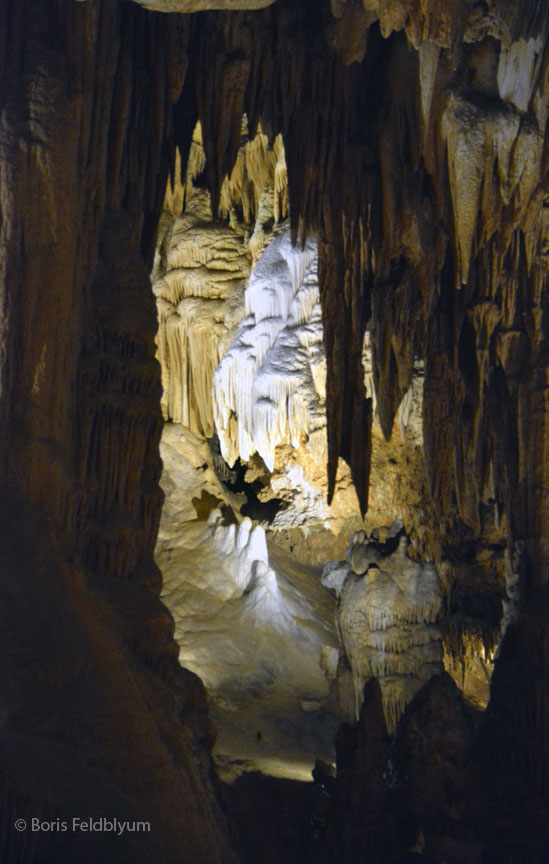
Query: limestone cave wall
[(98, 718)]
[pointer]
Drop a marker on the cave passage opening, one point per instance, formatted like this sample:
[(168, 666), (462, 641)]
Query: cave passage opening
[(254, 561), (239, 319)]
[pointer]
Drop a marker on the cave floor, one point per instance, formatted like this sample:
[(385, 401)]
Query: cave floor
[(251, 622), (269, 698), (277, 718)]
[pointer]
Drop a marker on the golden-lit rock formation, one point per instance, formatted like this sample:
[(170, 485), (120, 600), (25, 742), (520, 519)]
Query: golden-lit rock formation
[(199, 291)]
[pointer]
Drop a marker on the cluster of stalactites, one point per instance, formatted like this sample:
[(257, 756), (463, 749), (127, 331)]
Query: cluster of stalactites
[(258, 171), (445, 24), (428, 204), (259, 168), (473, 137), (202, 265)]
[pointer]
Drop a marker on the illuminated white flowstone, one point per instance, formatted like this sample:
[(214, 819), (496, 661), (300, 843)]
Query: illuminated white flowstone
[(270, 385)]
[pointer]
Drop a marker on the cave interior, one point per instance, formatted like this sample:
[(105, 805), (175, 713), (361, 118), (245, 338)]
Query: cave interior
[(320, 442)]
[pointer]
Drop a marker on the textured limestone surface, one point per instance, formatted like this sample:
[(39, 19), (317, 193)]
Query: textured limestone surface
[(388, 620), (198, 282)]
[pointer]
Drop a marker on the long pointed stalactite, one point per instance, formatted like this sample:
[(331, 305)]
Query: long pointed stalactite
[(278, 71)]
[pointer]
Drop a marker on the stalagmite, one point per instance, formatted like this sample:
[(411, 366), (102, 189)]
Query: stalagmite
[(388, 613)]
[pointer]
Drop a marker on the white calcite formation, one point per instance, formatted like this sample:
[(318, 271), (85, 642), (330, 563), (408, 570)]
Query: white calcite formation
[(306, 502), (269, 390), (387, 618), (270, 386), (409, 414), (518, 68), (515, 567)]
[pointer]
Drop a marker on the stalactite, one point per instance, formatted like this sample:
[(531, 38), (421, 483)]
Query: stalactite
[(317, 200)]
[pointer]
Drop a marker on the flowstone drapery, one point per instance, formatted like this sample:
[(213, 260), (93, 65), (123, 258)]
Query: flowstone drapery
[(388, 615)]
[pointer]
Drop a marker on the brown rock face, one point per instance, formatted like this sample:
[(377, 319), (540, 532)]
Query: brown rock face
[(98, 720), (427, 768), (432, 754), (70, 695)]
